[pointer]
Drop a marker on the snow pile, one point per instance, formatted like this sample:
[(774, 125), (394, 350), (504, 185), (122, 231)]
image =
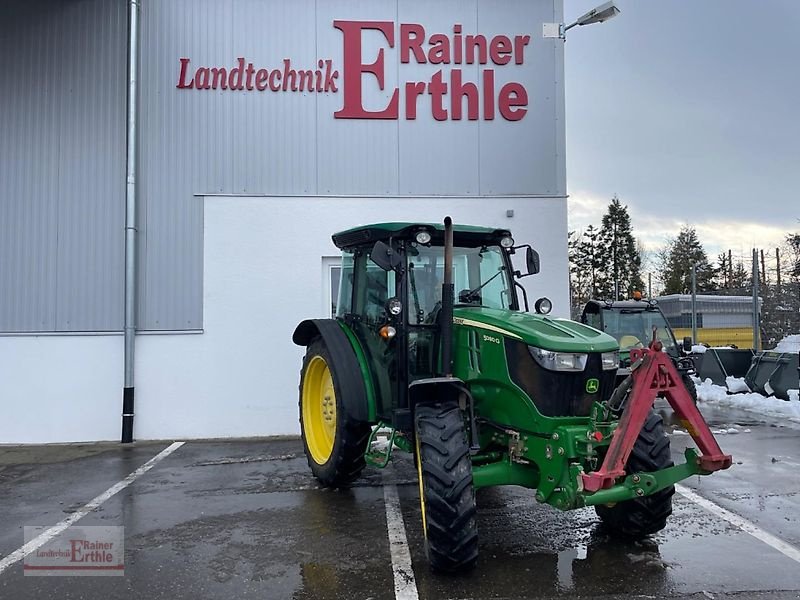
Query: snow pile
[(794, 395), (775, 407), (736, 385), (708, 392), (790, 344), (699, 349)]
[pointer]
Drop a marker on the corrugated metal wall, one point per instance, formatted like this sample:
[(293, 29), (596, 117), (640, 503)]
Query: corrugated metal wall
[(62, 165), (62, 138)]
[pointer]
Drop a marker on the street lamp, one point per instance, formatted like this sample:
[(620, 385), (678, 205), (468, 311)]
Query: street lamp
[(604, 12)]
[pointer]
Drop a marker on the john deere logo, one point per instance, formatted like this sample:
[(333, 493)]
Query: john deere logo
[(592, 385)]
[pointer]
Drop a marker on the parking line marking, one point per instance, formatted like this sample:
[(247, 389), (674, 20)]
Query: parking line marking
[(405, 586), (740, 522), (47, 535)]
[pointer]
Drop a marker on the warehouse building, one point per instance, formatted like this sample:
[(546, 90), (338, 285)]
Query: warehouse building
[(260, 127)]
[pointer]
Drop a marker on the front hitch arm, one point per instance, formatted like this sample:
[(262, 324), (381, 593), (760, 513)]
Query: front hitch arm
[(654, 374), (639, 485)]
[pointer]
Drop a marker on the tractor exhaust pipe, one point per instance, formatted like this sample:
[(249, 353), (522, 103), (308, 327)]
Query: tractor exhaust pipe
[(447, 300)]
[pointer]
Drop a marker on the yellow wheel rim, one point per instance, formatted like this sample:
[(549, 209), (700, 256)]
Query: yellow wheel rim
[(421, 491), (319, 410)]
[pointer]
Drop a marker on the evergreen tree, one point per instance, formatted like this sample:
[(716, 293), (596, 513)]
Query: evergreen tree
[(585, 256), (723, 271), (685, 251), (622, 272), (740, 279)]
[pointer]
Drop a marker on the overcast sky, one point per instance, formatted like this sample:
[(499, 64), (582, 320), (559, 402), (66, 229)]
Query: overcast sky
[(690, 112)]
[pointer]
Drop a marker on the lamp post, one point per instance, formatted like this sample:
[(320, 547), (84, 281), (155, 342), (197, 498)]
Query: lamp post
[(604, 12)]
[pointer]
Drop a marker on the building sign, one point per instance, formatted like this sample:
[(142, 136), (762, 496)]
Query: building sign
[(443, 94)]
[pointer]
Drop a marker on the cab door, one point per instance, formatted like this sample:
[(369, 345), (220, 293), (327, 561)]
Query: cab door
[(372, 289)]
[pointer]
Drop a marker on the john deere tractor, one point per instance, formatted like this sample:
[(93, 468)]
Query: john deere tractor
[(431, 346)]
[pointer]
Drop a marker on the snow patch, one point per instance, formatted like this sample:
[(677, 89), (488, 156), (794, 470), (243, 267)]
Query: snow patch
[(726, 431), (699, 349), (736, 385), (788, 345), (794, 395), (717, 395)]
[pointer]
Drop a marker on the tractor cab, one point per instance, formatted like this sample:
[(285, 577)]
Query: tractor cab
[(631, 323), (391, 296)]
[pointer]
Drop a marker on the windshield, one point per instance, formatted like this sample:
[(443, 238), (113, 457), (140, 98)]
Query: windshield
[(479, 278), (634, 328)]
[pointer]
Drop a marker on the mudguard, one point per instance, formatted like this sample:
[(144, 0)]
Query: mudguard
[(349, 369), (435, 390)]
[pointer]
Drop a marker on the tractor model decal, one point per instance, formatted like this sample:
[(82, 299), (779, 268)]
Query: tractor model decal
[(479, 325)]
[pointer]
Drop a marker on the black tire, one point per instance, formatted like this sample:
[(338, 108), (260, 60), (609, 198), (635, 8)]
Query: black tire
[(345, 461), (447, 496), (640, 517), (690, 386)]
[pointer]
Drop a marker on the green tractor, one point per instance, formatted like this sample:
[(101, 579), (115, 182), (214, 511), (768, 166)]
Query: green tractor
[(632, 323), (481, 392)]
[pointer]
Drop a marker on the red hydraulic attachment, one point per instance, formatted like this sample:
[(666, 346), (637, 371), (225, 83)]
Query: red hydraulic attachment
[(654, 374)]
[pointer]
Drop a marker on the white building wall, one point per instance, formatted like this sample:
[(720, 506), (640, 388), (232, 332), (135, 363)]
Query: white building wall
[(56, 388)]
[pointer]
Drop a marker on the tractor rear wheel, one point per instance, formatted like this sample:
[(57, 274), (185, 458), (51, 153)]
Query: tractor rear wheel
[(334, 442), (641, 517), (446, 493)]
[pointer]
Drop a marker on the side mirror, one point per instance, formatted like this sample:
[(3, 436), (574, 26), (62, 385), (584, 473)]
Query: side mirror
[(532, 261), (383, 256), (687, 344)]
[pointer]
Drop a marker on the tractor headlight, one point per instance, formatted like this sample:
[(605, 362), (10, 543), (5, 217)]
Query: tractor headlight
[(610, 360), (543, 306), (423, 237), (559, 361), (394, 306), (507, 241)]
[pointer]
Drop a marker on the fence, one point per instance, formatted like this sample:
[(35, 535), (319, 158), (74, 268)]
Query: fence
[(713, 320)]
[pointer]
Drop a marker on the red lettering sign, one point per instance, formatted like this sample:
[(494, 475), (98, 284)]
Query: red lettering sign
[(446, 91)]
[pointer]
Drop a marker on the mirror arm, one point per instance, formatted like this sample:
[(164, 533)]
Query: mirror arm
[(524, 295)]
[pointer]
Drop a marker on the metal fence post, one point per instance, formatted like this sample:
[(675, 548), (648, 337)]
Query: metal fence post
[(756, 316), (694, 303)]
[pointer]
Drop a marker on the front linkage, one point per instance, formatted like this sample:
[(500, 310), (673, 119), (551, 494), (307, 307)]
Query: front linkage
[(563, 482), (560, 480)]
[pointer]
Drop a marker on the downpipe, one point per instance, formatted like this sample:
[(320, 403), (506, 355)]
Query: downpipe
[(129, 330)]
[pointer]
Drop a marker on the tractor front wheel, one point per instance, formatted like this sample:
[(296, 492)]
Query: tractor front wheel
[(334, 442), (641, 517), (447, 496)]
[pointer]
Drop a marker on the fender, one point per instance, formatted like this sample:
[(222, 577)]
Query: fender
[(435, 390), (446, 389), (350, 369)]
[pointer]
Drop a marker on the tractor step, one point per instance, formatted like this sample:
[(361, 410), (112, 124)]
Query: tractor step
[(379, 452)]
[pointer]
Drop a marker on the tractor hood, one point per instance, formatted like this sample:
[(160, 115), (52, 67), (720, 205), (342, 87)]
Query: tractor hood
[(558, 335)]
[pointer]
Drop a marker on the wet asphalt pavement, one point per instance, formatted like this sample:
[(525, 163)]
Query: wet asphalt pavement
[(244, 519)]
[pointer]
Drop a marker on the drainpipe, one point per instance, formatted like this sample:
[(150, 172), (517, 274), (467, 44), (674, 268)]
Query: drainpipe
[(130, 228)]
